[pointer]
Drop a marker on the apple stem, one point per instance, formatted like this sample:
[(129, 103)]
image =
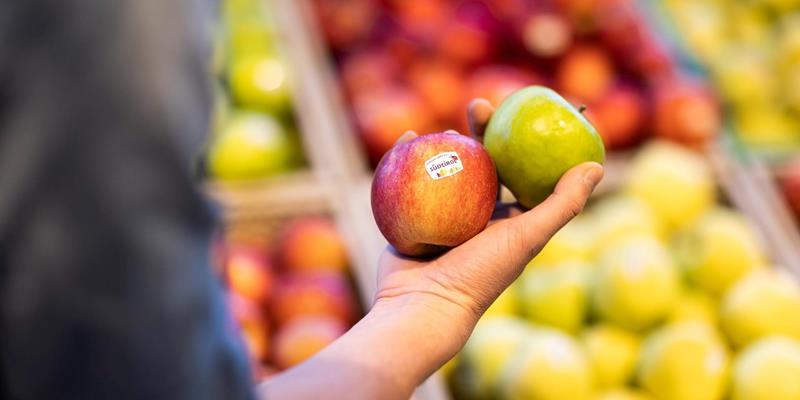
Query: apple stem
[(582, 108)]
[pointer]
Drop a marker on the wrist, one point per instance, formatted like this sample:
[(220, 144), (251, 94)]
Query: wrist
[(439, 324)]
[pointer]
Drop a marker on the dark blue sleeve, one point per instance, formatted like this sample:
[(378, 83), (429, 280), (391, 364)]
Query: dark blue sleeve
[(105, 285)]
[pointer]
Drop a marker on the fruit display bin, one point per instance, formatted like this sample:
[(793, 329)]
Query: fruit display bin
[(337, 182), (740, 68), (741, 178)]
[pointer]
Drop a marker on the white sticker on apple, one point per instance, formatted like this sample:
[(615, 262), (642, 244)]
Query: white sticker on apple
[(443, 165)]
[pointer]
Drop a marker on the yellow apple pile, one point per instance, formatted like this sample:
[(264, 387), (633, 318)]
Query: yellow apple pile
[(253, 133), (657, 291), (752, 51)]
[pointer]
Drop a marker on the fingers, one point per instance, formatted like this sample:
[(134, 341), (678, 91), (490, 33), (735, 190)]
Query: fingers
[(535, 227), (479, 111)]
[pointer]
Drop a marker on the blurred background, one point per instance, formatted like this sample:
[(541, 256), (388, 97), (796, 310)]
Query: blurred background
[(679, 281)]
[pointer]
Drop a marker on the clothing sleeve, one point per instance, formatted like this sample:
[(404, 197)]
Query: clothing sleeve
[(105, 286)]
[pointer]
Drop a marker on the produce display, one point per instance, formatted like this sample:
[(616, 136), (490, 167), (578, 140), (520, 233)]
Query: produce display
[(751, 50), (414, 65), (253, 134), (290, 295), (657, 291)]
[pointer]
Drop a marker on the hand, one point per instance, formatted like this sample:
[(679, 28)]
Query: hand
[(463, 282)]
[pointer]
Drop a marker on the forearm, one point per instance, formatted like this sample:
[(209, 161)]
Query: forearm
[(398, 344)]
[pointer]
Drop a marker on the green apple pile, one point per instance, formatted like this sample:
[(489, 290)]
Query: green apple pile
[(752, 51), (656, 291), (253, 130)]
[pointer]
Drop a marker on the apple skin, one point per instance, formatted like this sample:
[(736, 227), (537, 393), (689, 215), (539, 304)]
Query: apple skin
[(686, 112), (249, 273), (586, 73), (383, 116), (252, 145), (311, 244), (619, 117), (535, 136), (304, 294), (304, 337), (495, 82), (423, 216), (789, 177)]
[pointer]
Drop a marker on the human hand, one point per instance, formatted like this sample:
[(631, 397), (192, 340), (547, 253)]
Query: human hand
[(461, 283)]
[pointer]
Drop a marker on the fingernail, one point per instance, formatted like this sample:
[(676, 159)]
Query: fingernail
[(592, 176)]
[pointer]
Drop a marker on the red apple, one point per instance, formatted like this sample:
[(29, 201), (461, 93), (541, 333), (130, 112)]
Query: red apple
[(421, 18), (586, 73), (251, 325), (311, 244), (303, 294), (789, 178), (495, 82), (585, 14), (249, 273), (304, 337), (441, 84), (686, 112), (368, 70), (652, 61), (433, 192), (385, 115), (347, 22), (546, 34), (470, 35), (619, 116), (622, 28)]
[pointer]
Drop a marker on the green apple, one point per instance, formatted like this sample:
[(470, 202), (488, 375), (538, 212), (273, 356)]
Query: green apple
[(637, 284), (251, 145), (534, 137), (718, 249), (548, 365), (259, 81), (768, 370), (617, 218), (675, 182), (765, 302), (686, 361), (695, 305), (613, 353), (623, 393), (486, 353), (556, 296)]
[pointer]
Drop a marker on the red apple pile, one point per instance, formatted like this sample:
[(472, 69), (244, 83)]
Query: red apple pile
[(416, 64), (789, 178), (291, 294)]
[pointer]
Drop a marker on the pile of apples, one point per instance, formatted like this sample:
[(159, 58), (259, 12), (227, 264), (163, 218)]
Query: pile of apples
[(289, 297), (416, 64), (789, 180), (751, 50), (253, 132), (656, 291)]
